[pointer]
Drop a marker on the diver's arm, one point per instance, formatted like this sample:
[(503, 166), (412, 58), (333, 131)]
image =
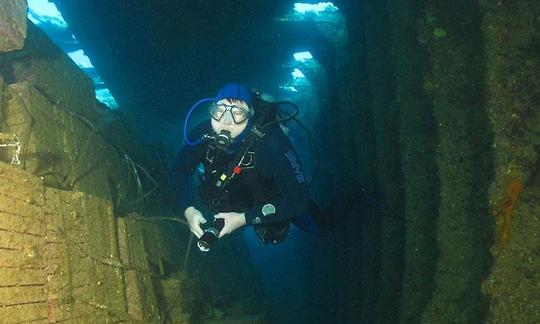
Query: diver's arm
[(278, 160), (181, 169), (180, 172)]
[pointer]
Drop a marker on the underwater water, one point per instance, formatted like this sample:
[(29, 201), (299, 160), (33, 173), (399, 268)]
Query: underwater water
[(417, 135)]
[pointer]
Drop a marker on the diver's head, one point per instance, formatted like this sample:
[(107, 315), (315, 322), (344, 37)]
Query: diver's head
[(231, 110)]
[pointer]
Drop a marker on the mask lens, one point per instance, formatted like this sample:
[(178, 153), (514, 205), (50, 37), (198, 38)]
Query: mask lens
[(239, 114), (217, 111)]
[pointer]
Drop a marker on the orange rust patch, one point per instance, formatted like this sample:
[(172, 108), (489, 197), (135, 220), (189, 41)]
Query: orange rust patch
[(505, 209)]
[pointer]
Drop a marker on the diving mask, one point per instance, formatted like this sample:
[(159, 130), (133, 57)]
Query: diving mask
[(236, 114)]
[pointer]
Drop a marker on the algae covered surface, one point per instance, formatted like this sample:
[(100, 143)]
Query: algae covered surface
[(461, 92), (513, 74)]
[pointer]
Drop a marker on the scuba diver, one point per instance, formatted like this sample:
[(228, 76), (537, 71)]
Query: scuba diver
[(249, 172)]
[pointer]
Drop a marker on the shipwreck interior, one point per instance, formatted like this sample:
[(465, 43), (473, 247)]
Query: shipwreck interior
[(426, 113)]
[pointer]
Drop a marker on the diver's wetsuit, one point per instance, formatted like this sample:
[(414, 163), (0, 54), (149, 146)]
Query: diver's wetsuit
[(270, 174)]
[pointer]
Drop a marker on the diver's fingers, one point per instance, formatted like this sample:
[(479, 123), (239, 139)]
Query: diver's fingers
[(225, 230), (197, 231), (201, 219), (222, 232)]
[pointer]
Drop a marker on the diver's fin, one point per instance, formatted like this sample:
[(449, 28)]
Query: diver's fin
[(312, 221), (306, 223), (321, 222)]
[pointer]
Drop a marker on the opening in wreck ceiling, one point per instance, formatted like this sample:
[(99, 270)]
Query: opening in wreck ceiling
[(46, 16)]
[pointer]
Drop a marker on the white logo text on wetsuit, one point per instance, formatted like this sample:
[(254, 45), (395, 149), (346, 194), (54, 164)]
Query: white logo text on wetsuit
[(295, 166)]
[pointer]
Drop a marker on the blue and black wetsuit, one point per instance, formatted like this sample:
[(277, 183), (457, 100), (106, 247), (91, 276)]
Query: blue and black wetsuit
[(270, 177)]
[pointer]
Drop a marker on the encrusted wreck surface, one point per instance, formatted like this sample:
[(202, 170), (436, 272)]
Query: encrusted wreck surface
[(456, 83), (66, 252), (12, 25), (511, 36), (60, 258)]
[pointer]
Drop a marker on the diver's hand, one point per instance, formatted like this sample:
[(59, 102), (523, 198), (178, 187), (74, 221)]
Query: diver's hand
[(233, 221), (194, 219)]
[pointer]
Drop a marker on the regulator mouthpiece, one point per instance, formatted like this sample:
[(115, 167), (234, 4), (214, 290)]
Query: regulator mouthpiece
[(223, 139)]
